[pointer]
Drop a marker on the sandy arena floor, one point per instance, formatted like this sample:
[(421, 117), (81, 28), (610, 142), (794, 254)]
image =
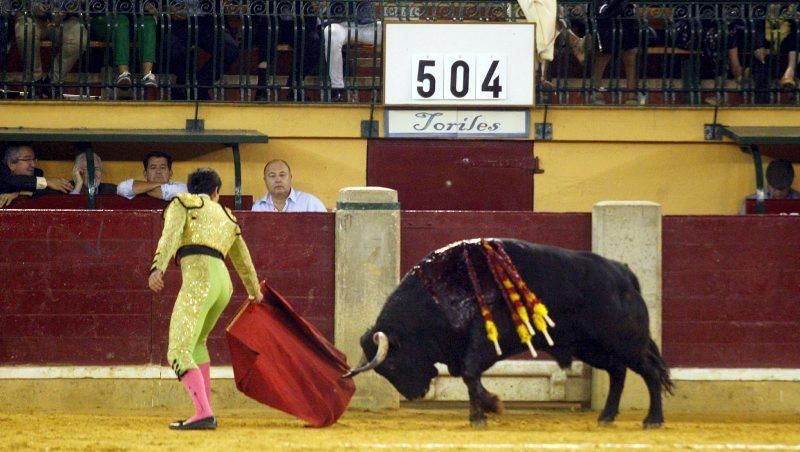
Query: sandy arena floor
[(406, 428)]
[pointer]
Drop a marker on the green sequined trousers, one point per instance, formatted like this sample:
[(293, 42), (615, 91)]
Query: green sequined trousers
[(205, 292)]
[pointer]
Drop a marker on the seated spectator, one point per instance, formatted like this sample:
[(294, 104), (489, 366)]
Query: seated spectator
[(81, 179), (116, 28), (780, 175), (780, 31), (60, 22), (564, 39), (157, 179), (19, 173), (281, 197), (6, 198), (616, 29), (3, 39), (193, 28), (293, 23), (348, 27), (776, 35)]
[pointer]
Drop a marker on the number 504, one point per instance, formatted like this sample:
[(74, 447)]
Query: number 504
[(458, 76)]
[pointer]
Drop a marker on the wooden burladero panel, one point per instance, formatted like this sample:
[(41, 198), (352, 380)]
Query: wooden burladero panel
[(454, 175), (75, 283), (731, 291)]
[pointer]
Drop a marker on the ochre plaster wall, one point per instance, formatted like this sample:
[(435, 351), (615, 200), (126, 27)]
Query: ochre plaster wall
[(621, 153)]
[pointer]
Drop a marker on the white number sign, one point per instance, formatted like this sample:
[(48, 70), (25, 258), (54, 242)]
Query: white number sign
[(459, 64)]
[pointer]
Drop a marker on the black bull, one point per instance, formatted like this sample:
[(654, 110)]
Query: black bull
[(600, 316)]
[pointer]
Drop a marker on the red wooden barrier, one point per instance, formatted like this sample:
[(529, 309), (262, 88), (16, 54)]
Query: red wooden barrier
[(75, 291), (111, 202), (75, 282), (731, 291)]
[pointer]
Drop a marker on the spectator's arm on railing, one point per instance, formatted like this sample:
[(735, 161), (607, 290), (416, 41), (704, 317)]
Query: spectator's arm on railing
[(6, 198), (130, 188)]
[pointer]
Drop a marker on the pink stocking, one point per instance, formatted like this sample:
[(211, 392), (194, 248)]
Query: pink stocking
[(205, 368), (193, 383)]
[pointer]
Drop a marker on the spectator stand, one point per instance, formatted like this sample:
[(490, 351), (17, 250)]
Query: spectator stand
[(774, 141), (87, 137)]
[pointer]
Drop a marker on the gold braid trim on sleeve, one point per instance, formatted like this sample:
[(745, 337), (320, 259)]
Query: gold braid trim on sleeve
[(174, 220)]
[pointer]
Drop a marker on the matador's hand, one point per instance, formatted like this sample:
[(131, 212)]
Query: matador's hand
[(258, 298), (156, 281)]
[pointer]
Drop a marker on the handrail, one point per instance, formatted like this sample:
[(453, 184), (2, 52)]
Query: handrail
[(661, 52)]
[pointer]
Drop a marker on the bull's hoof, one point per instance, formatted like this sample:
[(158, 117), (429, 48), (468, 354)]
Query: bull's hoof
[(606, 419), (478, 423), (492, 404), (649, 425)]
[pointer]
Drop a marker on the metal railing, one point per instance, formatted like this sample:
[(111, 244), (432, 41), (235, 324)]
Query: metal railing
[(656, 53)]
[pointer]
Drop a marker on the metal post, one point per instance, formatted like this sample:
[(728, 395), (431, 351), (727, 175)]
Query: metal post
[(760, 193), (91, 189), (237, 177)]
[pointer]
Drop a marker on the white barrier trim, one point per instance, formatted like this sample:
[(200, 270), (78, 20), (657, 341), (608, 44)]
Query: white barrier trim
[(520, 368), (501, 369), (766, 374)]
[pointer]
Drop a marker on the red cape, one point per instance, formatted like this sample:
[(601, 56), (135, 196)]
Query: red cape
[(281, 360)]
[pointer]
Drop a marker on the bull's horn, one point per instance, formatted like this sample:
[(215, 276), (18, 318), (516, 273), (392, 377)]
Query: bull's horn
[(383, 349)]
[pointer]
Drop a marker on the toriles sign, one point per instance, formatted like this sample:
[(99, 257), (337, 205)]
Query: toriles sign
[(457, 123)]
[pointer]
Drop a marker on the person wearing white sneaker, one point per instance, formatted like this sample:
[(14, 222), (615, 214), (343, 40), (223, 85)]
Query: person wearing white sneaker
[(149, 80), (616, 32), (347, 23), (116, 28)]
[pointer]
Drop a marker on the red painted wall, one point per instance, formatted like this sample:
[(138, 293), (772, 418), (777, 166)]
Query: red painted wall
[(443, 174), (75, 283), (425, 231), (731, 295), (75, 292)]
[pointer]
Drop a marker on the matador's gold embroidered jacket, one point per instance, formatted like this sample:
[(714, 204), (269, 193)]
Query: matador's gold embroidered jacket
[(197, 220)]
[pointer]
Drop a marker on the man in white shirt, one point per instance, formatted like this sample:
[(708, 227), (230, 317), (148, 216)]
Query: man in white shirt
[(281, 197), (157, 179)]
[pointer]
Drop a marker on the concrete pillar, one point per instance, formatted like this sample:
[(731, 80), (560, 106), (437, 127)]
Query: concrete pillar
[(630, 232), (367, 270)]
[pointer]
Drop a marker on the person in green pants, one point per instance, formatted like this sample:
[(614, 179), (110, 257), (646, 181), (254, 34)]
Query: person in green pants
[(116, 27)]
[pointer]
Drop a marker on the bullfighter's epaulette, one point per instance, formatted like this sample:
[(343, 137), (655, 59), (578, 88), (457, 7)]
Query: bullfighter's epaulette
[(230, 216), (187, 200)]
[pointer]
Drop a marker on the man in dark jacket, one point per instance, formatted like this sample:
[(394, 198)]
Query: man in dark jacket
[(18, 173)]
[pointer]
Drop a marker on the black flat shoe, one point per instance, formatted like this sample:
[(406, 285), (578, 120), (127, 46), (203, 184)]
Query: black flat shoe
[(207, 423)]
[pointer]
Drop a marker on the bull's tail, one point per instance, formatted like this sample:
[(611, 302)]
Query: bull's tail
[(657, 362)]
